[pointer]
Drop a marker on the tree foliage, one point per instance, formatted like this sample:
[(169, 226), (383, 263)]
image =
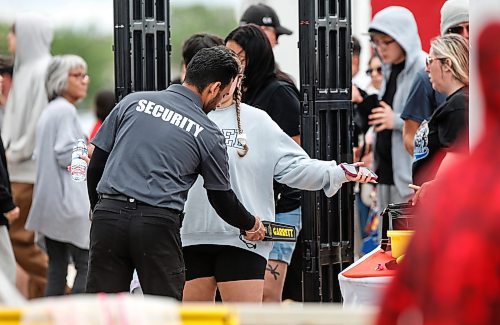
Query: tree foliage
[(186, 21), (96, 47)]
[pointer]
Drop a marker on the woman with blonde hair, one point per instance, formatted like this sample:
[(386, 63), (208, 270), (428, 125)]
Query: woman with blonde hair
[(436, 140)]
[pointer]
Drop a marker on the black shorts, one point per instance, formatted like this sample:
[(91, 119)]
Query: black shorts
[(225, 263)]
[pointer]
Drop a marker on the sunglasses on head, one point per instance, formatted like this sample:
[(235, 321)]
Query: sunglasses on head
[(378, 70), (458, 29)]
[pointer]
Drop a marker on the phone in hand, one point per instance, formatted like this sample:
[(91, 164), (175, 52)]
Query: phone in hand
[(352, 170), (363, 110)]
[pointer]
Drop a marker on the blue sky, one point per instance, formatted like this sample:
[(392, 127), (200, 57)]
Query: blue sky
[(81, 13)]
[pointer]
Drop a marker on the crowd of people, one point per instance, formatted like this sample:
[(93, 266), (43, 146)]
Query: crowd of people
[(420, 114), (48, 213), (214, 155)]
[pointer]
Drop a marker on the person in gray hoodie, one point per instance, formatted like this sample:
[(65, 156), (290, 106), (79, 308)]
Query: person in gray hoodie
[(394, 35), (29, 39)]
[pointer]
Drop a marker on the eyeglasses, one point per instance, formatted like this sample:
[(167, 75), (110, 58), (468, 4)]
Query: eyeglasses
[(459, 29), (381, 43), (429, 60), (80, 76), (378, 70)]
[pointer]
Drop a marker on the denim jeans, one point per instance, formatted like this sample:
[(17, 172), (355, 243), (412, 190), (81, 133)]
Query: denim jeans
[(60, 255), (283, 251)]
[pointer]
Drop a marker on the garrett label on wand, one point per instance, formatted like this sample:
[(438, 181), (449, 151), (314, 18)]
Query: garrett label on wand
[(279, 232), (276, 231)]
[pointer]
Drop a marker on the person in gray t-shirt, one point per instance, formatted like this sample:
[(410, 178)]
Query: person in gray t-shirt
[(148, 153)]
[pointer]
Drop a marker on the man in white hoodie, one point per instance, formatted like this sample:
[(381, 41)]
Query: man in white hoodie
[(29, 39), (394, 35)]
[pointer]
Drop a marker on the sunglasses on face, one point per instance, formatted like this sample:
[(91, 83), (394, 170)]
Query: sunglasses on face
[(458, 29), (430, 59), (378, 70)]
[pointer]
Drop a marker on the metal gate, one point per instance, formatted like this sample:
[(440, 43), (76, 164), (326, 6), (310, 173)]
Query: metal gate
[(142, 62), (141, 45), (325, 77)]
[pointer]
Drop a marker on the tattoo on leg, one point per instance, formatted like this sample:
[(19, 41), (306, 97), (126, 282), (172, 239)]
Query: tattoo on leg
[(273, 271)]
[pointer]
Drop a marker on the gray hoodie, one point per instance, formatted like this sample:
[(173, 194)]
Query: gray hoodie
[(27, 97), (399, 23)]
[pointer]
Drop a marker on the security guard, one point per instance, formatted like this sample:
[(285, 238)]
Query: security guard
[(148, 153)]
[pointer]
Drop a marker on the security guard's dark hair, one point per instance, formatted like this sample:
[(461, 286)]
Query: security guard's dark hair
[(215, 64), (197, 42)]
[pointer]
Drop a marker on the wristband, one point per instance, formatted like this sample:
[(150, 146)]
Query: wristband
[(253, 232)]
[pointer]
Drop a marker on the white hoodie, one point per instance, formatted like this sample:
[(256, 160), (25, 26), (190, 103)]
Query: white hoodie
[(27, 97), (272, 155)]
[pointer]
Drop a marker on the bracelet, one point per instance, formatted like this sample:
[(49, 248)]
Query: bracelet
[(253, 232)]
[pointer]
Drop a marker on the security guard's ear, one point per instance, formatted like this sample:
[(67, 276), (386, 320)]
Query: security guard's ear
[(211, 91), (214, 88)]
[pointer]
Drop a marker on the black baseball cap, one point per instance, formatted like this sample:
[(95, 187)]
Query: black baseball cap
[(263, 15)]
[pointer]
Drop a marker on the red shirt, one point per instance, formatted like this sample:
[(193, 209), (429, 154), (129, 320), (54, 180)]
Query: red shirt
[(451, 272), (95, 129)]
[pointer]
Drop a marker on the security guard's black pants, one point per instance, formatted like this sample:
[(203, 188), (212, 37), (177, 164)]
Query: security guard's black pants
[(127, 235)]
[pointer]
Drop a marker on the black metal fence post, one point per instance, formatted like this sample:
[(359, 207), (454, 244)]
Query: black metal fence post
[(141, 45), (325, 77)]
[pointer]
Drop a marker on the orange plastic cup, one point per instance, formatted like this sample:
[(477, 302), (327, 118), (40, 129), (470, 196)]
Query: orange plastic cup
[(399, 241)]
